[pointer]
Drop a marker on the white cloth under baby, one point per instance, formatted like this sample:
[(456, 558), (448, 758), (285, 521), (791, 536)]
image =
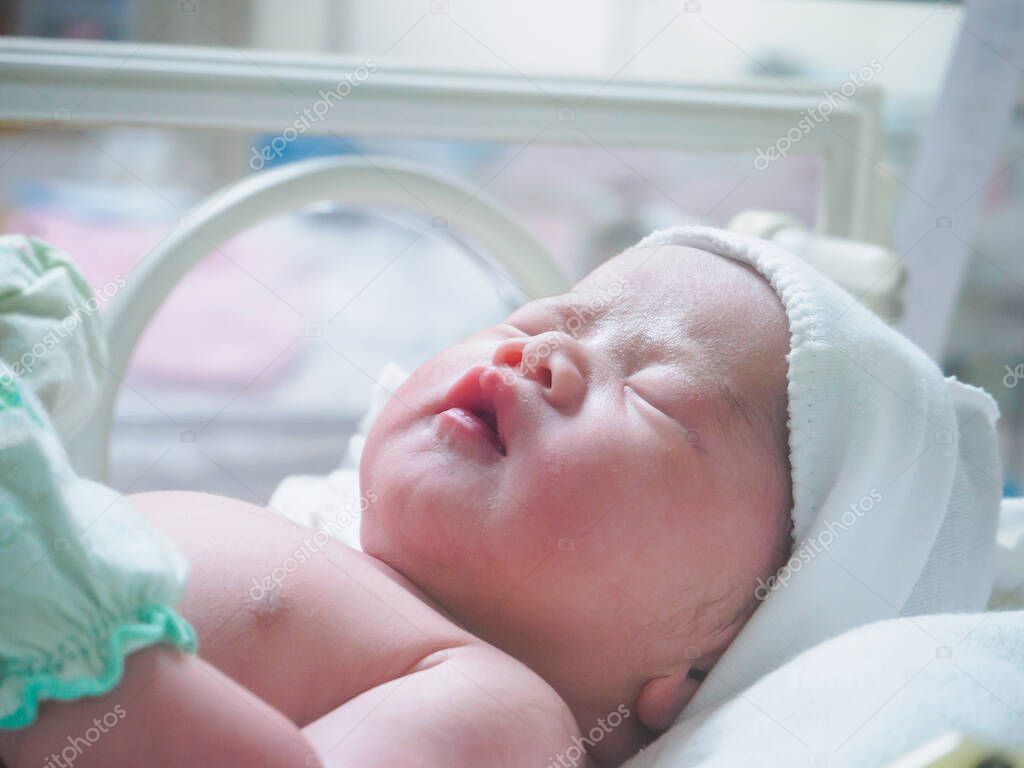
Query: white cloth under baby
[(895, 472), (867, 698)]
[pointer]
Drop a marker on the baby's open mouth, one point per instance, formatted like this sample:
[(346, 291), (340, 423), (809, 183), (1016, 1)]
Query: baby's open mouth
[(468, 408)]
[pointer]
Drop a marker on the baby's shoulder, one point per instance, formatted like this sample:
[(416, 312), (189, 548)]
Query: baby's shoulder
[(335, 621), (326, 633)]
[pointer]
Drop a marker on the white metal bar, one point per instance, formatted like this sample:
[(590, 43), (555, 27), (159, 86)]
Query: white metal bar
[(102, 84), (380, 182)]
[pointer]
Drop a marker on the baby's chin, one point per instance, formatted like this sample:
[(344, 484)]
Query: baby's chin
[(419, 510), (462, 548)]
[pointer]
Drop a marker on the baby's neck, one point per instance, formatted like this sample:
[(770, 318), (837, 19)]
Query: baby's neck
[(609, 734)]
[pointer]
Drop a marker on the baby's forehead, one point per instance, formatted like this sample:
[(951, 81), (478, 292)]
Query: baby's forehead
[(672, 289), (710, 307)]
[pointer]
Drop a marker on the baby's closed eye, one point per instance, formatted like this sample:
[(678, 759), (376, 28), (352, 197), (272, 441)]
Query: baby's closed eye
[(651, 404)]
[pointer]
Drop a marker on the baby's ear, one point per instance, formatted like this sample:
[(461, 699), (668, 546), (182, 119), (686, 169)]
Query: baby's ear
[(663, 698)]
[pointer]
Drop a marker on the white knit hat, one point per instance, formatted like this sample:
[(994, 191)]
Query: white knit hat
[(895, 474)]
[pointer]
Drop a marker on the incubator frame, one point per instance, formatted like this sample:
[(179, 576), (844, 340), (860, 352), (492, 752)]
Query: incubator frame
[(76, 85)]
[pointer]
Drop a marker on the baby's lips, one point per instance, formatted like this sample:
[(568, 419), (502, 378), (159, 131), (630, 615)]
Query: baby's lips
[(489, 392), (498, 387), (466, 391)]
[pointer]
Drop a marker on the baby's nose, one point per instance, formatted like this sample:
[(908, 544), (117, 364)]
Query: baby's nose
[(553, 360)]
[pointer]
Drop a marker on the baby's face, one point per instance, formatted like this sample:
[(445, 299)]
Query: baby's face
[(602, 464)]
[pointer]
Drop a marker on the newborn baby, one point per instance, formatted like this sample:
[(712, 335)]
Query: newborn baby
[(569, 514), (594, 485)]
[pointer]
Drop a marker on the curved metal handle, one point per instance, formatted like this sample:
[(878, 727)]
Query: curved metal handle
[(356, 181)]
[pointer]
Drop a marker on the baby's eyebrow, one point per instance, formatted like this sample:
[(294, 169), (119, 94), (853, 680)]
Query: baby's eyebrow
[(568, 311), (588, 310)]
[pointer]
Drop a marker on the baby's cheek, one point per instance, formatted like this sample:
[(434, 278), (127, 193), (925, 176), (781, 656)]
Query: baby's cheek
[(575, 477)]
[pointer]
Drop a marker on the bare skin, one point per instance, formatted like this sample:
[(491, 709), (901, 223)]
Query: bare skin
[(336, 662), (336, 630), (204, 716), (507, 592)]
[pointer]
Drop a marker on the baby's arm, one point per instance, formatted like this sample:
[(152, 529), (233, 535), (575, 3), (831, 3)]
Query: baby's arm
[(470, 705), (169, 710), (345, 647)]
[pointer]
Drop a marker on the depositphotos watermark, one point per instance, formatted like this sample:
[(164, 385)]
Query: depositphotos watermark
[(309, 116), (542, 350), (60, 330), (1013, 376), (823, 542), (573, 755), (816, 115), (310, 547), (78, 744)]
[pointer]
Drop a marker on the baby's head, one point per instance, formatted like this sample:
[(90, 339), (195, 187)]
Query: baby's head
[(596, 484)]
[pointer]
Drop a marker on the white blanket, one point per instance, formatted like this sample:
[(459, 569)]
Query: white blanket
[(867, 698)]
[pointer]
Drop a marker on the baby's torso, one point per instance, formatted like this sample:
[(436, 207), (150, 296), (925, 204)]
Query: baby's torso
[(305, 623)]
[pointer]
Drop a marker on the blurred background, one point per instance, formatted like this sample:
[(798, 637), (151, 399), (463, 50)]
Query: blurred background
[(264, 359)]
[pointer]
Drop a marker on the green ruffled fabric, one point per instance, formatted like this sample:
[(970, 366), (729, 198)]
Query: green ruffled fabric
[(85, 580), (154, 625)]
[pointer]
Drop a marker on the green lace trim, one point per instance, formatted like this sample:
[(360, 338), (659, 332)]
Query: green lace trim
[(156, 624)]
